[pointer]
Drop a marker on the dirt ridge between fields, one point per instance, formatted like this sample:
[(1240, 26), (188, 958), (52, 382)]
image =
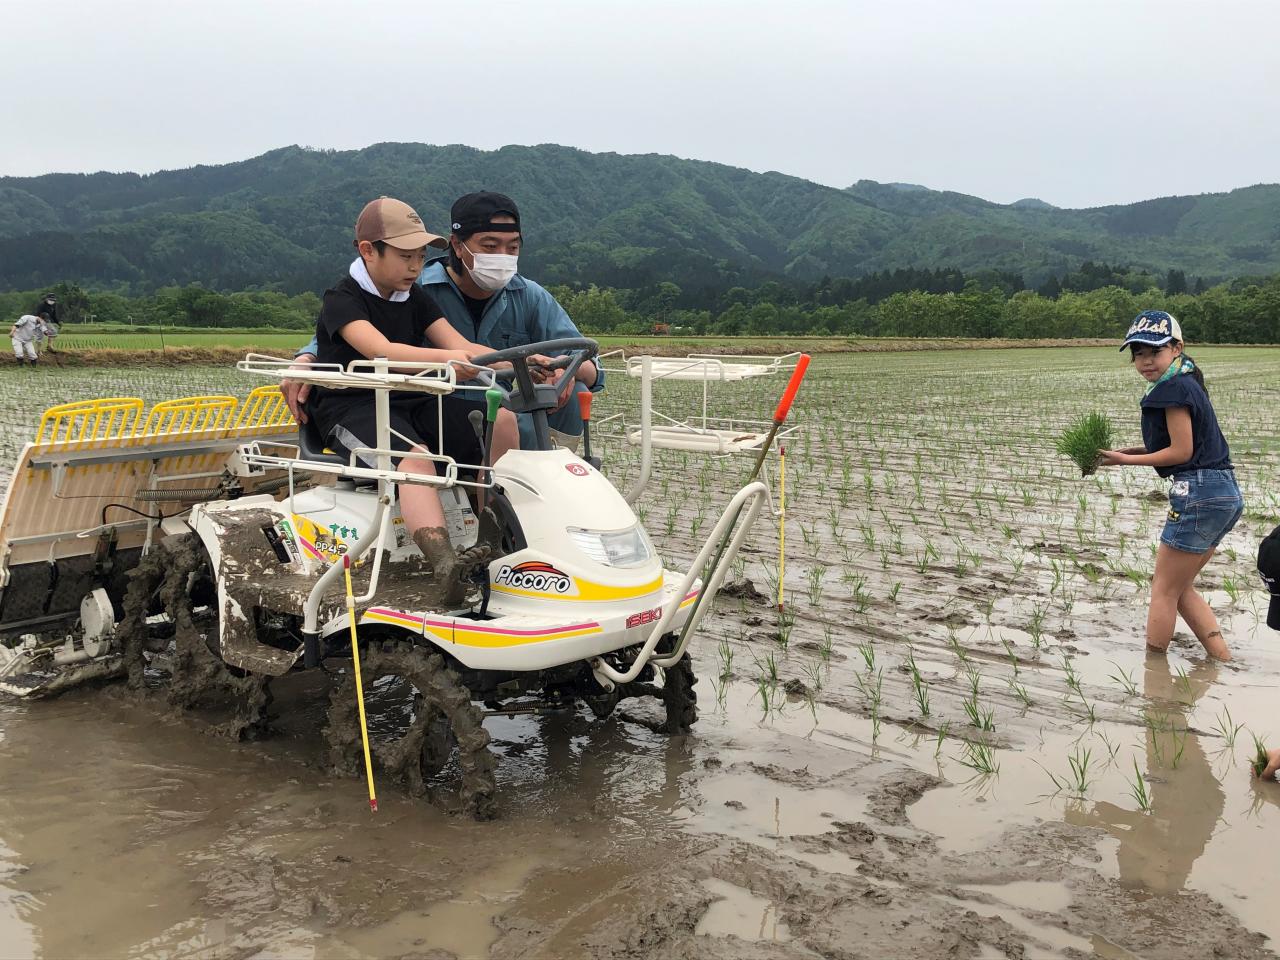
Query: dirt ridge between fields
[(184, 356)]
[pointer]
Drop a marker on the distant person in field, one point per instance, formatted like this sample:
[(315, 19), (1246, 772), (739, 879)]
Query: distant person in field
[(489, 303), (1183, 442), (23, 334), (47, 311), (377, 309)]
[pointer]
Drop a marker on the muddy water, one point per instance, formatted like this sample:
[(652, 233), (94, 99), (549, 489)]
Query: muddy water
[(799, 820)]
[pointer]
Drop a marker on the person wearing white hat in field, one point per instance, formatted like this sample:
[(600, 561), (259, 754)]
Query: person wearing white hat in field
[(1183, 442), (23, 335)]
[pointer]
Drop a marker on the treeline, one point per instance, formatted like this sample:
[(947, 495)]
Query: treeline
[(1242, 311), (191, 306), (945, 304)]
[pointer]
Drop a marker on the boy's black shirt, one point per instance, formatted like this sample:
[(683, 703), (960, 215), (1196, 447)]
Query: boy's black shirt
[(345, 302), (1209, 450)]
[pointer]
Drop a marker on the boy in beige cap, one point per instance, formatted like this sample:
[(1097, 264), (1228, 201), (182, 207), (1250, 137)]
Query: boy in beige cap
[(378, 310)]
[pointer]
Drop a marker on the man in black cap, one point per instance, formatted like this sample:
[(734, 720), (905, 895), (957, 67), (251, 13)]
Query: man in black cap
[(488, 302)]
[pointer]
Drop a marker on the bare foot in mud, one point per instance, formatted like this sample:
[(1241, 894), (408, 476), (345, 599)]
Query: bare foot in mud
[(1216, 646)]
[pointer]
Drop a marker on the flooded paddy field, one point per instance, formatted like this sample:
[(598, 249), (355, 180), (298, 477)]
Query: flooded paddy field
[(949, 743)]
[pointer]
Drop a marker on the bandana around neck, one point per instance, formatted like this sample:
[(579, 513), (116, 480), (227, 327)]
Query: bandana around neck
[(1181, 364), (360, 274)]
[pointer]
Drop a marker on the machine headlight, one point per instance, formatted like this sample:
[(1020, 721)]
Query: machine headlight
[(614, 548)]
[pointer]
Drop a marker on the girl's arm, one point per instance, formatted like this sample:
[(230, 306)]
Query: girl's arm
[(1181, 445)]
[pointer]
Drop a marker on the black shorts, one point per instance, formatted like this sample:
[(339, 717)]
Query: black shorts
[(350, 422)]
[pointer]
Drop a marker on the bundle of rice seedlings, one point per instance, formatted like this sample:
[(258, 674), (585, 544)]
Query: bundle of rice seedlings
[(1259, 762), (1084, 440)]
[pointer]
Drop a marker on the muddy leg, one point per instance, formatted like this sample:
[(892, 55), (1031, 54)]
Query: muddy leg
[(449, 568), (1199, 616), (1175, 571)]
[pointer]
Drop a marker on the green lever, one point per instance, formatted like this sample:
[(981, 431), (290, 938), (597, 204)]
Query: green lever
[(494, 396)]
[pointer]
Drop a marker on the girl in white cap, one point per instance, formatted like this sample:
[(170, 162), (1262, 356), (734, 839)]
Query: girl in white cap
[(1182, 441)]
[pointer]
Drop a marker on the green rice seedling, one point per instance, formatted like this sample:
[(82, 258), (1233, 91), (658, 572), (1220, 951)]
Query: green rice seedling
[(768, 667), (763, 689), (1077, 781), (813, 673), (875, 722), (1182, 681), (1035, 626), (1179, 745), (943, 730), (1227, 728), (1112, 748), (1084, 440), (786, 622), (770, 579), (974, 676), (1013, 656), (828, 642), (1020, 692), (815, 575), (868, 652), (893, 592), (1090, 714), (720, 689), (1138, 789), (1259, 762), (979, 716), (1232, 586), (725, 650), (1070, 676), (1136, 576), (980, 757), (1125, 679), (920, 692)]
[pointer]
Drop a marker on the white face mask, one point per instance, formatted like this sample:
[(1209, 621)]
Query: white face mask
[(491, 271)]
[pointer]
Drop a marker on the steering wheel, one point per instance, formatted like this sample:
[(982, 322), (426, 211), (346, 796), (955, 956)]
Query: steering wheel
[(529, 396)]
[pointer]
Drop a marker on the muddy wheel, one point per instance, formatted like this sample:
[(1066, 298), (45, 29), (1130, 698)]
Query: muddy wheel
[(144, 580), (198, 674), (678, 698), (443, 754)]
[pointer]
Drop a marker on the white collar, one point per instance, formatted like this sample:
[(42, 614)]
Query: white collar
[(360, 274)]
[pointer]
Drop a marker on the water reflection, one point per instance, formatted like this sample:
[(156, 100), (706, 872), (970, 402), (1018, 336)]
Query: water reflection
[(1159, 849)]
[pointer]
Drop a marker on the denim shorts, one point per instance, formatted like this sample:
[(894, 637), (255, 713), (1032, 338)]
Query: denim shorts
[(1203, 507)]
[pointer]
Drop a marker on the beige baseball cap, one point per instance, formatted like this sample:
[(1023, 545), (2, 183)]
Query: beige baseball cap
[(395, 223)]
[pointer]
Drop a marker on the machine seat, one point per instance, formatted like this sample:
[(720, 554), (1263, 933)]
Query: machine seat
[(311, 445)]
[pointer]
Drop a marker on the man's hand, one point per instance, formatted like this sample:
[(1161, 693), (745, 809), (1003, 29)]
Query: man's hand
[(295, 394)]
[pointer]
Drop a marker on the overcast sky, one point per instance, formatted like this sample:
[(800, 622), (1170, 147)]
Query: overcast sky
[(1079, 103)]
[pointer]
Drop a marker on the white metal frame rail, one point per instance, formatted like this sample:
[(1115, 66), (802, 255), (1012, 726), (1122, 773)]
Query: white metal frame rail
[(702, 433)]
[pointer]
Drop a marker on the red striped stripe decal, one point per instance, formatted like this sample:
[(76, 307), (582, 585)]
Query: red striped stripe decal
[(477, 625)]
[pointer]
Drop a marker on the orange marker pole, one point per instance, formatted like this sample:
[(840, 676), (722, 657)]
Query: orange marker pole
[(355, 658), (779, 417)]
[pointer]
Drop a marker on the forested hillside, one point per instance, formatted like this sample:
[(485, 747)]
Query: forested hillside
[(282, 222)]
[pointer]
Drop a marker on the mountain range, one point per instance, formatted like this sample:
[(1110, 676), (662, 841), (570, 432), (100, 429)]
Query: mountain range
[(283, 221)]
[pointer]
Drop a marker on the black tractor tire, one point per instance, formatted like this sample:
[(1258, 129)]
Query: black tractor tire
[(446, 725)]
